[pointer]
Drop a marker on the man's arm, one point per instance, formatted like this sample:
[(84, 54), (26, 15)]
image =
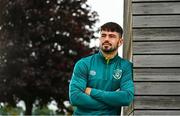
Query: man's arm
[(122, 97), (77, 87)]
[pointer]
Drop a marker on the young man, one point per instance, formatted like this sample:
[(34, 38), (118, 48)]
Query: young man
[(102, 83)]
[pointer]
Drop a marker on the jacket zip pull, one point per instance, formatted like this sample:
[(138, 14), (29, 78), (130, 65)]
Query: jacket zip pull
[(107, 63)]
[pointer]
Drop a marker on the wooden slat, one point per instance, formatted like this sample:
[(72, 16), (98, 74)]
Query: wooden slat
[(157, 88), (157, 102), (160, 74), (156, 60), (156, 8), (157, 112), (156, 21), (156, 47), (156, 34), (154, 0)]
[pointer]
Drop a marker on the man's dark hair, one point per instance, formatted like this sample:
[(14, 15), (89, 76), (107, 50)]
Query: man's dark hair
[(111, 26)]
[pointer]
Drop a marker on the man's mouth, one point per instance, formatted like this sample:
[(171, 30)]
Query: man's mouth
[(106, 44)]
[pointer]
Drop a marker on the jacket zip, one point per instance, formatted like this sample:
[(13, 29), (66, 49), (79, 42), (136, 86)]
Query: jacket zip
[(107, 66)]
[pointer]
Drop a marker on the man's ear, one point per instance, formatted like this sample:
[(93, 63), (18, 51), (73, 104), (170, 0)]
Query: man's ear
[(120, 41)]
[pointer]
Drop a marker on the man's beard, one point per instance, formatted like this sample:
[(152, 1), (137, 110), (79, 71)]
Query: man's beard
[(109, 49)]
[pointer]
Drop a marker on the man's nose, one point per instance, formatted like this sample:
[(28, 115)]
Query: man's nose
[(106, 38)]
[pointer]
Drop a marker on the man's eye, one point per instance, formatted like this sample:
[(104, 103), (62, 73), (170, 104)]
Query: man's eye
[(112, 36), (103, 35)]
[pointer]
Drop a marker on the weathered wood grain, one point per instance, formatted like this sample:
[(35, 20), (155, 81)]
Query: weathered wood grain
[(127, 26), (157, 112), (157, 74), (156, 56), (156, 8), (156, 34), (157, 88), (127, 46), (156, 47), (157, 102), (156, 21), (156, 60)]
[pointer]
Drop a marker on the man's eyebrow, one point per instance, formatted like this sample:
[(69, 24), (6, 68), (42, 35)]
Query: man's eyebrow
[(112, 35), (103, 33)]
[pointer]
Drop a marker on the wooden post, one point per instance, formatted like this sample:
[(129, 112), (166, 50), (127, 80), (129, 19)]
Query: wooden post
[(127, 46)]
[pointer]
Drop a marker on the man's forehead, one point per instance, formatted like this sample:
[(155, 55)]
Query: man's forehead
[(109, 32)]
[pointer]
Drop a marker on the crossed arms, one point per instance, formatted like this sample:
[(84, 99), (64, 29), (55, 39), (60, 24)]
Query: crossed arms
[(91, 98)]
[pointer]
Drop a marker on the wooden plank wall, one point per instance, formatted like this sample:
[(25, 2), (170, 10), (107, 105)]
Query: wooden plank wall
[(156, 56)]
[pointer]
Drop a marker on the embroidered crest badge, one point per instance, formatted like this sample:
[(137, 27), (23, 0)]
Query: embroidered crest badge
[(117, 73)]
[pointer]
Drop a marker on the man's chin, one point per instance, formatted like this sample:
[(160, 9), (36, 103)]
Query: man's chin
[(107, 50)]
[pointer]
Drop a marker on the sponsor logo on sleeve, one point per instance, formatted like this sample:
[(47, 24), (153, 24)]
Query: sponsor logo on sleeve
[(92, 72)]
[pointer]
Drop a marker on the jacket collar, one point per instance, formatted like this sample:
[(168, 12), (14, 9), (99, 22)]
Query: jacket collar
[(108, 61)]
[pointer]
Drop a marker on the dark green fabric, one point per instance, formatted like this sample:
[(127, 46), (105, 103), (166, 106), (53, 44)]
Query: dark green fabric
[(111, 83)]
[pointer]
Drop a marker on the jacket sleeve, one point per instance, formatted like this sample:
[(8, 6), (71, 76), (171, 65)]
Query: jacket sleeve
[(122, 97), (77, 87)]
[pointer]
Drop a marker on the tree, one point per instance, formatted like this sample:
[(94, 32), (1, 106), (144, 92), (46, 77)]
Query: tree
[(40, 40)]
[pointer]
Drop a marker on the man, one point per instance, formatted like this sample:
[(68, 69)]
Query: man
[(102, 83)]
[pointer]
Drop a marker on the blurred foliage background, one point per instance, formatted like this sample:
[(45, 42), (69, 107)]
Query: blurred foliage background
[(40, 41)]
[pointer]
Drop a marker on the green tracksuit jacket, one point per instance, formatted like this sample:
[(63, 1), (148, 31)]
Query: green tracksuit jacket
[(111, 83)]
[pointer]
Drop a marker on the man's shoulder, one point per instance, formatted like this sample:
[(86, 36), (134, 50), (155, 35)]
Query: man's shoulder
[(125, 62), (87, 59)]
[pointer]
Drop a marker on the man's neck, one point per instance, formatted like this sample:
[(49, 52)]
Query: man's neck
[(109, 55)]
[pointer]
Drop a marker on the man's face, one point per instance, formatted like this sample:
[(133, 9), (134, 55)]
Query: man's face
[(110, 41)]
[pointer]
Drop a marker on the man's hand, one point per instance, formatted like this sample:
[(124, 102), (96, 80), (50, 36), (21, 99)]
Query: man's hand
[(88, 90)]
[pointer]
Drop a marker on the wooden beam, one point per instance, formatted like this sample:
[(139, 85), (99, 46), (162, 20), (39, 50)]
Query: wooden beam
[(157, 102), (156, 60), (156, 34), (156, 8), (156, 112), (156, 47), (157, 74), (157, 88), (127, 26), (156, 21), (127, 43)]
